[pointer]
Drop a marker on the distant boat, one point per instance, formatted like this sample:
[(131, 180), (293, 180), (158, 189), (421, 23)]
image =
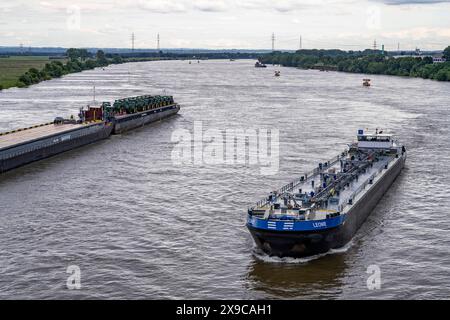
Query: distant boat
[(231, 59), (366, 82), (260, 65), (190, 62)]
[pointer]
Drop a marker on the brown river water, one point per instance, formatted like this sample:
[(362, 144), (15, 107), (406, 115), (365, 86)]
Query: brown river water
[(139, 225)]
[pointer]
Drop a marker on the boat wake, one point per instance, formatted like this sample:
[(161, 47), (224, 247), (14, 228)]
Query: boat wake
[(288, 260)]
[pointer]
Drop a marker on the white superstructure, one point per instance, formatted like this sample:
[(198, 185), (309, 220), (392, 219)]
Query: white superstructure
[(378, 140)]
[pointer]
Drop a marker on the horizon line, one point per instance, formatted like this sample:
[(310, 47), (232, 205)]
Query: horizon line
[(210, 49)]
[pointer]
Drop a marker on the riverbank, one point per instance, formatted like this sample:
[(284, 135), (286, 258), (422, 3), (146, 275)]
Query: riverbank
[(23, 71), (367, 62), (12, 67)]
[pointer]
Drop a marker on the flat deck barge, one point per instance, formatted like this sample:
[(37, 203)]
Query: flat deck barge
[(20, 136), (32, 144), (26, 145)]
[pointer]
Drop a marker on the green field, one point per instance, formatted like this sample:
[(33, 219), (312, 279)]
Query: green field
[(11, 68)]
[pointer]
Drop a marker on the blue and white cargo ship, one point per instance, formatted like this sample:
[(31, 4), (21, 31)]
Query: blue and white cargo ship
[(323, 209)]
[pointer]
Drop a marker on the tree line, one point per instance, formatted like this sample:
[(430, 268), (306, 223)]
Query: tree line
[(368, 61), (78, 60)]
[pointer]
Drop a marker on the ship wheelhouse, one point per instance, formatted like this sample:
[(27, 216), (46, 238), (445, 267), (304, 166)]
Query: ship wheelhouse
[(378, 140)]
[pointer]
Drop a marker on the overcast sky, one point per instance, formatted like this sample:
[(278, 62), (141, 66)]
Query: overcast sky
[(215, 24)]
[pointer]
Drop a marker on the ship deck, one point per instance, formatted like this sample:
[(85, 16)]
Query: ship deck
[(25, 135), (355, 187), (354, 184)]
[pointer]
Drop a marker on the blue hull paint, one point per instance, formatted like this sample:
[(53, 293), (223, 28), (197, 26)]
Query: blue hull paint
[(294, 226)]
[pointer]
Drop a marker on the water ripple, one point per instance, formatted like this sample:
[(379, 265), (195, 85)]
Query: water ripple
[(139, 226)]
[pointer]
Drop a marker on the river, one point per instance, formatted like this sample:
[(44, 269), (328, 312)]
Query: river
[(138, 225)]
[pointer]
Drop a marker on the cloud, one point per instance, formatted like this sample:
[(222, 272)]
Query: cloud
[(405, 2), (283, 6), (178, 6), (161, 6), (286, 6), (419, 33), (210, 6), (226, 23)]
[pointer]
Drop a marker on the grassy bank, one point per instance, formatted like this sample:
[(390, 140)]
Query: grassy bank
[(22, 71), (11, 68)]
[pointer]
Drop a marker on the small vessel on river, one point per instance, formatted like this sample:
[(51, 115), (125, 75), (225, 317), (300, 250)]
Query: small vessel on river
[(323, 209)]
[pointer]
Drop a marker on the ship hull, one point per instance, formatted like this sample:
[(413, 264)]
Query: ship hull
[(140, 119), (307, 243), (50, 146)]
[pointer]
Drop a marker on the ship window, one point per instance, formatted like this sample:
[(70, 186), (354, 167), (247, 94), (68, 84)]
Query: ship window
[(374, 138)]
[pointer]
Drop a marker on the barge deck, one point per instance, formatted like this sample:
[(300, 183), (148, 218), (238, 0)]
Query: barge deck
[(21, 146), (17, 137)]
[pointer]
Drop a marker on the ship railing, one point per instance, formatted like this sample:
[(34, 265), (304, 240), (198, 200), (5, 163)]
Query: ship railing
[(23, 129), (302, 179), (362, 187)]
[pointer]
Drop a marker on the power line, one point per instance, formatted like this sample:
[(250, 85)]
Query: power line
[(157, 46), (300, 47), (132, 41)]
